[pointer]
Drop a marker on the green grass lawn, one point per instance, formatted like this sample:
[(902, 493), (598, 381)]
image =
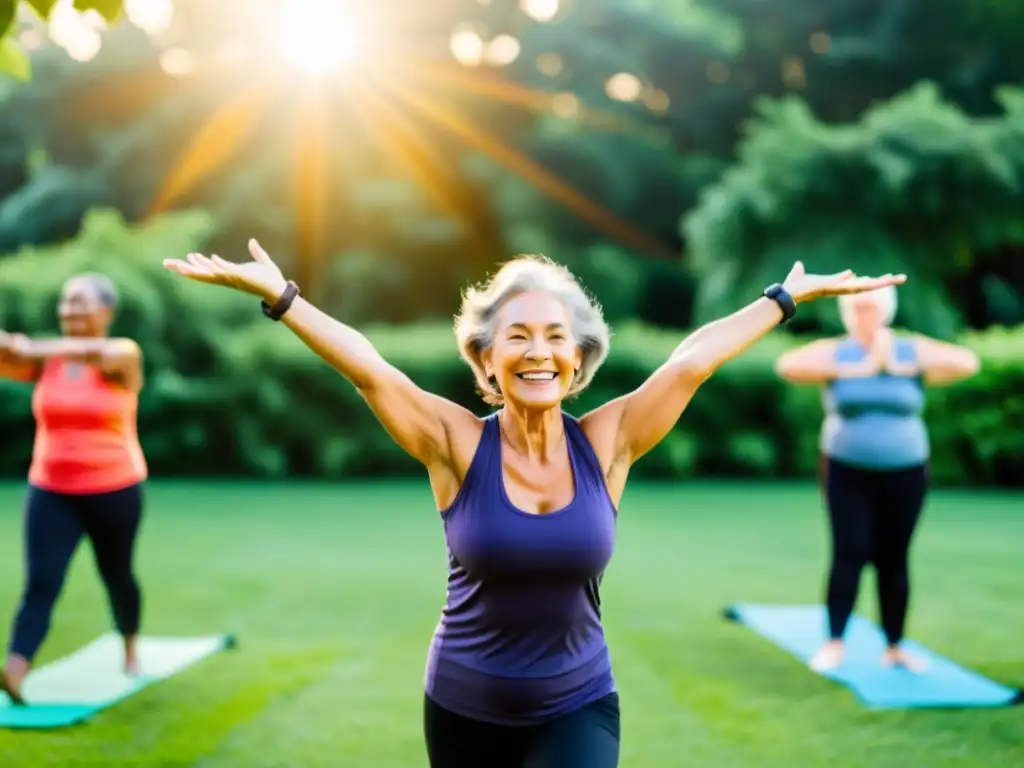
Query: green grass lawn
[(333, 592)]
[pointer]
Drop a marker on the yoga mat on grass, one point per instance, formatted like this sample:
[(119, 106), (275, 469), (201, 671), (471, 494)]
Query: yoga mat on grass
[(75, 687), (800, 630)]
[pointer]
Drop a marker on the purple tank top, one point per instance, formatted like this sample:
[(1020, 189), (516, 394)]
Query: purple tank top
[(520, 640)]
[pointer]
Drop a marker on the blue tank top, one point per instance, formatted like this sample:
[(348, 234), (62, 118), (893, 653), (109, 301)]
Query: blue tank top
[(520, 639), (875, 422)]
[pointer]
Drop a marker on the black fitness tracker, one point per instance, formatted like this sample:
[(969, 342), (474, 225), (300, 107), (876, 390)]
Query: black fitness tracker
[(283, 303), (777, 293)]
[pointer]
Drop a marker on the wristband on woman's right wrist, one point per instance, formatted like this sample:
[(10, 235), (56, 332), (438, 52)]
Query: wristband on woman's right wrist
[(283, 303)]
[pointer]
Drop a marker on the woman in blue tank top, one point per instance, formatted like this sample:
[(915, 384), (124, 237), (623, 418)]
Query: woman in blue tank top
[(875, 452), (518, 672)]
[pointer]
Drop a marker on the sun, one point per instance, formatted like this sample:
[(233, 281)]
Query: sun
[(316, 38), (368, 57)]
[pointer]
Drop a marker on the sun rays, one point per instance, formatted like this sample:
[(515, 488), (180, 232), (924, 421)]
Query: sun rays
[(383, 70)]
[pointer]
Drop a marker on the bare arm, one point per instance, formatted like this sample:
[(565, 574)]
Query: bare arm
[(419, 421), (641, 419), (630, 426), (944, 363), (812, 363), (118, 359), (13, 365), (14, 369)]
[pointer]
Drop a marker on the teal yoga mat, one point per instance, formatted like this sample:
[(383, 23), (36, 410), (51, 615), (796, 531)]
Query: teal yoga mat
[(75, 687), (800, 630)]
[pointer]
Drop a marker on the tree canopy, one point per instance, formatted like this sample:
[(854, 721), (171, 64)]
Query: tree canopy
[(589, 144), (914, 186)]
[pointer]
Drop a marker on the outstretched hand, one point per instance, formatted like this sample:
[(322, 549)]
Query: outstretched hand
[(12, 344), (803, 287), (260, 277)]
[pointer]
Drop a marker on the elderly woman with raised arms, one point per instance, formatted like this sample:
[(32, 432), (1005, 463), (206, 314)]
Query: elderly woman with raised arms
[(518, 673)]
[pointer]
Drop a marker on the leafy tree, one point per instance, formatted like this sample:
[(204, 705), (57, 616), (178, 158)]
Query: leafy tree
[(915, 186), (703, 65), (416, 206)]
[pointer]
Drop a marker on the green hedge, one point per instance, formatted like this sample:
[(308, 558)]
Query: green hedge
[(229, 393)]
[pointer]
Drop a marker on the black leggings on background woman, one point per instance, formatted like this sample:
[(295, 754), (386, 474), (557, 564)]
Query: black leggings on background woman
[(876, 451), (873, 515), (54, 525)]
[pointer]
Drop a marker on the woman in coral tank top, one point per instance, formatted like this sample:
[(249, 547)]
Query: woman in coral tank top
[(87, 466)]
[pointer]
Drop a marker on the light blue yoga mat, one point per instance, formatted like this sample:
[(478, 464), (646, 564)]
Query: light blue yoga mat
[(75, 687), (800, 630)]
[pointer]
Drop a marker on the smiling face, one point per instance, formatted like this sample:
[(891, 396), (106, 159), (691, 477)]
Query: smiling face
[(534, 357), (81, 310)]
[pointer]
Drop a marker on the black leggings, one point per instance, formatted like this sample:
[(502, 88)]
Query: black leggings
[(586, 738), (54, 524), (873, 516)]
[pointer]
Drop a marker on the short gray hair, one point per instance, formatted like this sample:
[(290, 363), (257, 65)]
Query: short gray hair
[(104, 287), (883, 298), (475, 325)]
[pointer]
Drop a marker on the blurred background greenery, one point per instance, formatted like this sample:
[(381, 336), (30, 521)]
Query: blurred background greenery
[(677, 155)]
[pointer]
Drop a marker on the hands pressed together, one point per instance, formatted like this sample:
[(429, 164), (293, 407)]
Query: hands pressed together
[(881, 358)]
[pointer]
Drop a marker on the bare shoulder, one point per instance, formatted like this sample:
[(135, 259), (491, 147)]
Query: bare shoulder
[(123, 346), (812, 350), (463, 431), (931, 347), (825, 345), (602, 428), (916, 340), (121, 362)]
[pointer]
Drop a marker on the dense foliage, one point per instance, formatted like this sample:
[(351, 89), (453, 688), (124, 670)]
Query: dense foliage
[(431, 189), (875, 134), (230, 393), (914, 186)]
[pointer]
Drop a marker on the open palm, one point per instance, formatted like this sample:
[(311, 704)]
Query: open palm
[(805, 287), (260, 277)]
